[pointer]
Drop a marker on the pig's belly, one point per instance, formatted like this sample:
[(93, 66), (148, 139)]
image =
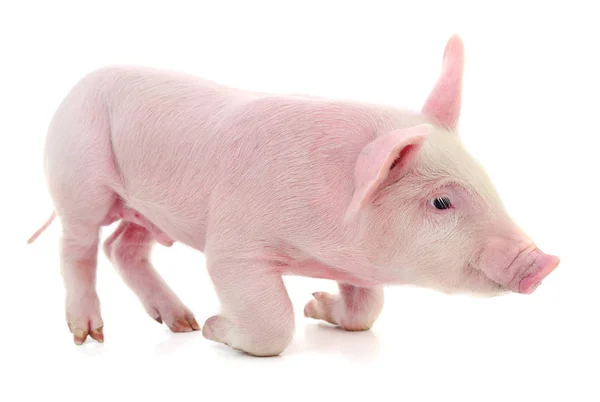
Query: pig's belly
[(162, 219), (314, 269)]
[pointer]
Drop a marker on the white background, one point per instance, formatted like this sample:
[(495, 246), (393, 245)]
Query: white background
[(530, 114)]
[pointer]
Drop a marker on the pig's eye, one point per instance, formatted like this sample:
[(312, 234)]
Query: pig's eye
[(441, 203)]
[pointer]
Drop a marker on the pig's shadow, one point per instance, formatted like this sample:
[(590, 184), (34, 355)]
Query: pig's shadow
[(320, 338), (175, 341), (91, 348), (323, 338)]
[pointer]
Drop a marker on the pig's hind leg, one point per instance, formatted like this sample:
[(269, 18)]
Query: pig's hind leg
[(353, 309), (81, 174), (128, 248), (82, 214)]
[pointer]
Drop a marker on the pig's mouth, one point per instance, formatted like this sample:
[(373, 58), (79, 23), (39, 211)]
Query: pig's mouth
[(490, 286)]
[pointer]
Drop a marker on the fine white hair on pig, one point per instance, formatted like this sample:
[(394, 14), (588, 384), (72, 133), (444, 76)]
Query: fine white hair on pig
[(268, 185)]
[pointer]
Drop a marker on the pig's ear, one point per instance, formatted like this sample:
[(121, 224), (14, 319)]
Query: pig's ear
[(384, 157), (444, 101)]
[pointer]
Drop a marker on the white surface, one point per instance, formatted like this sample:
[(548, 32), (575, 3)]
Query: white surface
[(530, 115)]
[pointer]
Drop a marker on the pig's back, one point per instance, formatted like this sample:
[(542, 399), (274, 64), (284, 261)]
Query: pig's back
[(183, 146)]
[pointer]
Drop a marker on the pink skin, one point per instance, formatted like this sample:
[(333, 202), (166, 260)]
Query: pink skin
[(268, 185)]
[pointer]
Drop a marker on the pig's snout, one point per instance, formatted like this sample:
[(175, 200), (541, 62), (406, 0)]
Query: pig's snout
[(529, 268), (542, 265), (517, 264)]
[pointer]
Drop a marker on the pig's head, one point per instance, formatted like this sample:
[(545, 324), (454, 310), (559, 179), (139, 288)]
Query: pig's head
[(430, 215)]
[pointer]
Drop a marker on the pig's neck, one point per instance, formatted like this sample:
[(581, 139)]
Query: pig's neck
[(341, 243)]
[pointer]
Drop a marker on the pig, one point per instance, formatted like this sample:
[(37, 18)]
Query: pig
[(267, 185)]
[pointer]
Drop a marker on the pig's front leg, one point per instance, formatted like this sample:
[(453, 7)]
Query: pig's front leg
[(257, 315), (353, 309)]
